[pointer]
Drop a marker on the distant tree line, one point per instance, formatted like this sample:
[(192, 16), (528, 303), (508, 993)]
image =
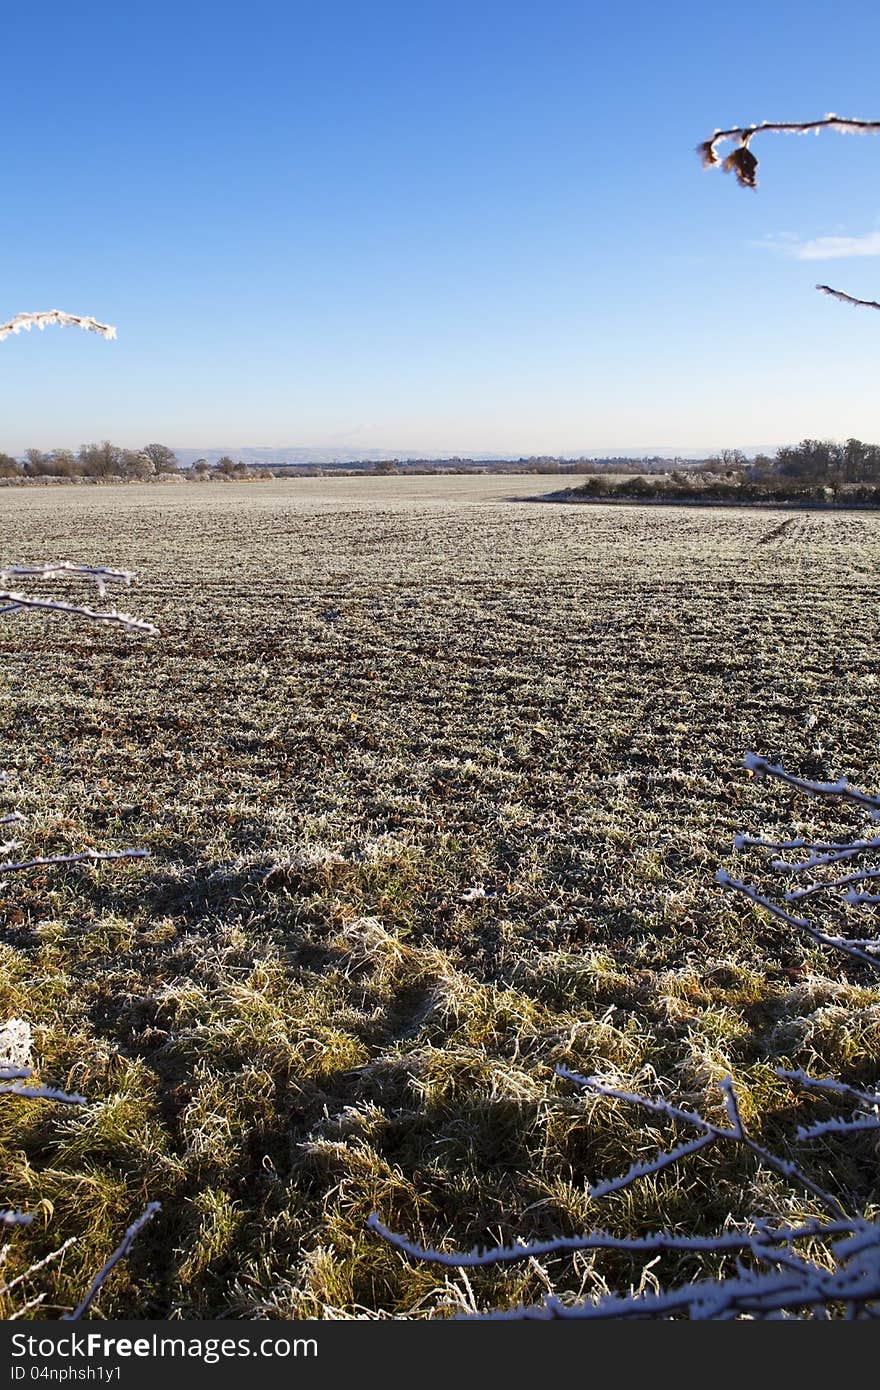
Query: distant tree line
[(813, 461), (104, 460), (110, 462), (536, 463), (821, 471)]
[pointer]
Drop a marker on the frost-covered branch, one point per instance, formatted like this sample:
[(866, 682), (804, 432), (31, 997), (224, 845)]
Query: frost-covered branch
[(16, 601), (795, 894), (831, 1085), (744, 165), (87, 854), (726, 881), (736, 1132), (852, 1284), (849, 298), (55, 569), (42, 319), (100, 575), (42, 1093), (785, 1280), (859, 949), (841, 788), (741, 841), (866, 949), (119, 1253), (10, 1075), (789, 1282), (727, 1242)]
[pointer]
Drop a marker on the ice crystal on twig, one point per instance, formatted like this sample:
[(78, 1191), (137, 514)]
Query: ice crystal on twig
[(708, 149), (849, 298), (744, 165), (844, 1275), (790, 1281), (119, 1253), (45, 317)]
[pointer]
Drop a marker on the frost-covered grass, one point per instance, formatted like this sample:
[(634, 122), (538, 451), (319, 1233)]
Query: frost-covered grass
[(435, 786)]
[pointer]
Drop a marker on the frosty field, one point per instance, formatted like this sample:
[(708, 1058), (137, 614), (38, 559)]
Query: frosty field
[(436, 781)]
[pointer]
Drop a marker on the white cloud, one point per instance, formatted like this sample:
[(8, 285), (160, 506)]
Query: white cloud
[(826, 248)]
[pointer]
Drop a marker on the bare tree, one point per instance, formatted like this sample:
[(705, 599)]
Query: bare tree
[(163, 459)]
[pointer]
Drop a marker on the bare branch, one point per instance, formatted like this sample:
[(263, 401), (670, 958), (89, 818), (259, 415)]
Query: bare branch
[(849, 298), (830, 1084), (57, 569), (119, 1253), (862, 876), (793, 1282), (736, 1132), (40, 1264), (743, 163), (43, 1093), (741, 841), (45, 317), (746, 170), (16, 600), (602, 1240), (841, 788), (87, 854), (859, 950), (724, 879)]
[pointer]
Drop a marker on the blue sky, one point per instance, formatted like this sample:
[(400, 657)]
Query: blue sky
[(442, 226)]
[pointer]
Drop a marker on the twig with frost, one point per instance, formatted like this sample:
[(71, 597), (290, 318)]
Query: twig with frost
[(735, 1132), (822, 856), (726, 881), (829, 1084), (119, 1253), (853, 1284), (45, 317), (100, 575), (741, 841), (744, 164), (40, 1264), (824, 853), (861, 876), (92, 855), (726, 1242), (849, 298), (793, 1282), (11, 1075), (19, 1218), (841, 788), (15, 601), (36, 1092), (857, 949)]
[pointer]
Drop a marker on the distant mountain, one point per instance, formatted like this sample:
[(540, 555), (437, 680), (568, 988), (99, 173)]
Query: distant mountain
[(323, 455), (274, 458)]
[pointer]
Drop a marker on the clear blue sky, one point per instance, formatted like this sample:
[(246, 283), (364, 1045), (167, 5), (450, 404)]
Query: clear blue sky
[(441, 226)]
